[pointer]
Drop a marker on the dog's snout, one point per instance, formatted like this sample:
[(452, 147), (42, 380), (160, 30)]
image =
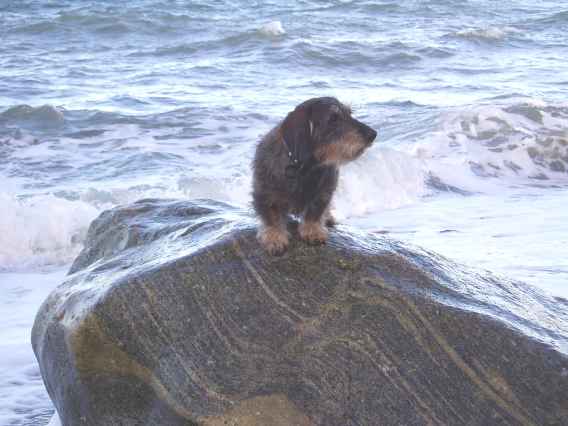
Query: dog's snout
[(368, 133)]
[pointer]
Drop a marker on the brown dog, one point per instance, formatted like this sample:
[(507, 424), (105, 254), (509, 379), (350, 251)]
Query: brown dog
[(296, 168)]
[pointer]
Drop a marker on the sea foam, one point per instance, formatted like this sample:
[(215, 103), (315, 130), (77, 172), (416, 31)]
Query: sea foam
[(23, 397), (42, 230), (273, 28), (522, 142), (486, 34), (382, 179), (54, 421)]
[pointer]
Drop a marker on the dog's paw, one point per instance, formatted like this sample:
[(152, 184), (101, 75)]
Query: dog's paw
[(313, 233), (274, 240)]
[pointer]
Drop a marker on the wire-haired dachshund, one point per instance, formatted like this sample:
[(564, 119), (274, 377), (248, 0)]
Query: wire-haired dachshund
[(296, 168)]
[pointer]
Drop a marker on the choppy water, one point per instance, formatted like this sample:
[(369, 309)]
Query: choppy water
[(103, 103)]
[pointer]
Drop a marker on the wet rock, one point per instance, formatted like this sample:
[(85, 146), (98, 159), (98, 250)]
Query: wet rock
[(173, 315)]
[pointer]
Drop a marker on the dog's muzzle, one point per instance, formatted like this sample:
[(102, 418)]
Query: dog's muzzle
[(369, 134)]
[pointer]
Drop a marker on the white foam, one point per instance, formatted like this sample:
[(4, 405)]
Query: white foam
[(470, 149), (235, 190), (382, 179), (489, 33), (41, 230), (22, 393), (520, 233), (55, 421), (19, 140), (482, 146), (273, 28)]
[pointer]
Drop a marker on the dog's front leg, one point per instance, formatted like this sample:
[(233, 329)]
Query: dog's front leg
[(312, 229), (272, 234)]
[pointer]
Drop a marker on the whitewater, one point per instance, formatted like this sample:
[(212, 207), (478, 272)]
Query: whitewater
[(103, 104)]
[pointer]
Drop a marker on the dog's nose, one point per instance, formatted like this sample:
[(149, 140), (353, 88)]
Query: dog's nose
[(372, 135), (369, 133)]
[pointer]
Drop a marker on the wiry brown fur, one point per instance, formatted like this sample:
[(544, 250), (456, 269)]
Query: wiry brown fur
[(322, 135)]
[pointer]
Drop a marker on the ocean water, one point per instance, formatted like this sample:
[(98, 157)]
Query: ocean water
[(103, 103)]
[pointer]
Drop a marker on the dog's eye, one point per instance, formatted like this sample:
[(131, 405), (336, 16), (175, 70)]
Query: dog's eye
[(334, 118)]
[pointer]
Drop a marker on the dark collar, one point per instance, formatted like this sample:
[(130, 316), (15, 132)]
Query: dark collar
[(292, 156), (295, 168)]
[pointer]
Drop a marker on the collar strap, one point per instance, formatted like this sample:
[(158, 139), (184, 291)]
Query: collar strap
[(293, 158)]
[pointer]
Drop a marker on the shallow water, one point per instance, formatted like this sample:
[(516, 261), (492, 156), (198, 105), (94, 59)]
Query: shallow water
[(102, 104), (23, 398)]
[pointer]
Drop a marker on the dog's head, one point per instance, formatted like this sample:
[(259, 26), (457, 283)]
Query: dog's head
[(324, 129)]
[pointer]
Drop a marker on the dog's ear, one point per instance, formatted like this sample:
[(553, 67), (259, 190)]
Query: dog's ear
[(297, 129)]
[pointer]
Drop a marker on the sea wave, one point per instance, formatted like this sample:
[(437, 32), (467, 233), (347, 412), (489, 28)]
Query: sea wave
[(41, 27), (519, 142), (49, 229), (382, 179), (351, 54), (486, 34), (42, 116), (242, 40), (102, 21), (560, 18), (60, 120), (43, 230), (481, 148), (273, 28), (471, 149)]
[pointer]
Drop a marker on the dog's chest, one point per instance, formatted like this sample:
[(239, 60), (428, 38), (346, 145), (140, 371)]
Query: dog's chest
[(309, 187)]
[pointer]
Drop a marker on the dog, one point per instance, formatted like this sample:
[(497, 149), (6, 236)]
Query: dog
[(296, 169)]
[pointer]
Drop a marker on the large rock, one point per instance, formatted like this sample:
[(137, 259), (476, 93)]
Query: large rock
[(174, 316)]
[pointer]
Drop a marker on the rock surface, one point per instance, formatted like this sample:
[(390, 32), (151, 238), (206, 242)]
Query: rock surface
[(174, 316)]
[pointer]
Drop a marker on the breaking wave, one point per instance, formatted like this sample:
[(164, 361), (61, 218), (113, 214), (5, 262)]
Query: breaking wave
[(45, 116), (486, 34), (517, 143), (42, 230), (469, 150)]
